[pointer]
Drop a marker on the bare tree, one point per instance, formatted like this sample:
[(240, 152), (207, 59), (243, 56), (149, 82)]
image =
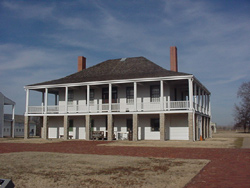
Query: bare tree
[(242, 111)]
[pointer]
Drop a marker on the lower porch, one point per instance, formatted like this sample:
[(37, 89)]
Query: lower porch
[(134, 127)]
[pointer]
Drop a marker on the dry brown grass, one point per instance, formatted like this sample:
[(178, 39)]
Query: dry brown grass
[(222, 139), (40, 169), (30, 140)]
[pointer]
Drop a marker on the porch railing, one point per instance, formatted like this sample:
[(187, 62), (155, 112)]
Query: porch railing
[(115, 107)]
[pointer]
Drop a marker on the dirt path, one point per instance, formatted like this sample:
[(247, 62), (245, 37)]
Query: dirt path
[(228, 167)]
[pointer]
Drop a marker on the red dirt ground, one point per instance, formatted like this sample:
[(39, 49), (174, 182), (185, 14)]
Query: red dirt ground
[(228, 168)]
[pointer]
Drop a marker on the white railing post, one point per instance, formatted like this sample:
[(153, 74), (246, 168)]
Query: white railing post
[(169, 105)]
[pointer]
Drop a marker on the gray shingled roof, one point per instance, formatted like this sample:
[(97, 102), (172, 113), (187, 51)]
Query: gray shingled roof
[(116, 69)]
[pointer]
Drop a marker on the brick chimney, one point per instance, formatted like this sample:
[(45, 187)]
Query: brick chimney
[(173, 59), (81, 63)]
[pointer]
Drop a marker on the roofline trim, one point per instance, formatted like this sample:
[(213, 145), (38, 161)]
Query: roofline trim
[(110, 81), (201, 85)]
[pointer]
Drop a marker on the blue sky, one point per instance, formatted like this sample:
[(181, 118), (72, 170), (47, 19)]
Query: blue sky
[(40, 41)]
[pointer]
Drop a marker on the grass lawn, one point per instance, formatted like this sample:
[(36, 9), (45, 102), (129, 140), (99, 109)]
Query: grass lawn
[(41, 169)]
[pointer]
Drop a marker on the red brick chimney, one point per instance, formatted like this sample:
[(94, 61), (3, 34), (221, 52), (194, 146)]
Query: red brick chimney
[(173, 59), (81, 63)]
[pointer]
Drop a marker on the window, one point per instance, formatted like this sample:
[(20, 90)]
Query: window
[(71, 124), (155, 93), (105, 95), (130, 94), (91, 95), (70, 95), (114, 95), (155, 125)]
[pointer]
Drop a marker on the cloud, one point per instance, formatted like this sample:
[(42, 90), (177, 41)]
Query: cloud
[(212, 39), (29, 11)]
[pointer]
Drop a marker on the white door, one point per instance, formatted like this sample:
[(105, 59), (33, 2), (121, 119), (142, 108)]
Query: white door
[(52, 132), (179, 133)]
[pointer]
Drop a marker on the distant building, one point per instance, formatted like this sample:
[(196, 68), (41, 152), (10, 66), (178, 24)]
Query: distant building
[(19, 126), (6, 125)]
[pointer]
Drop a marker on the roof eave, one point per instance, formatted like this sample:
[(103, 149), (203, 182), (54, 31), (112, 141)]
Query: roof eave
[(109, 81)]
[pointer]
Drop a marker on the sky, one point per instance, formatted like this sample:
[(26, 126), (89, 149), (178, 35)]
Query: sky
[(41, 40)]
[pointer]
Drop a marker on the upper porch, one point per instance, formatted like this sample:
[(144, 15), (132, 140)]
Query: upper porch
[(127, 96)]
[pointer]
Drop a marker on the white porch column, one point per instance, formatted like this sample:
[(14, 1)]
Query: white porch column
[(88, 94), (199, 99), (66, 127), (202, 100), (195, 96), (110, 97), (203, 128), (135, 96), (162, 94), (66, 99), (209, 106), (205, 103), (27, 101), (190, 86), (46, 101), (45, 127), (26, 127), (135, 127), (87, 127), (110, 127), (162, 127), (13, 121), (206, 97), (197, 136), (209, 128), (191, 126)]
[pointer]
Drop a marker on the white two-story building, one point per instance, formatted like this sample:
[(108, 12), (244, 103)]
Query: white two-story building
[(7, 125), (122, 96)]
